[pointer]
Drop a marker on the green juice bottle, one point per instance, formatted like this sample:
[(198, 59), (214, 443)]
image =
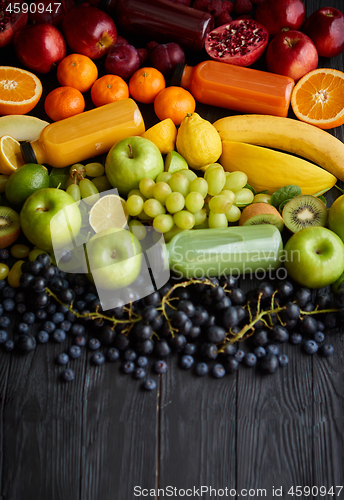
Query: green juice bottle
[(205, 253)]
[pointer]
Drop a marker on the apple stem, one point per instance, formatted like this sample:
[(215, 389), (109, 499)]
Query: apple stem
[(113, 255), (130, 151), (42, 209)]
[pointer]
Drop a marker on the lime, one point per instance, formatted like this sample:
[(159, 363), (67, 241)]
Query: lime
[(108, 212), (175, 162), (23, 182)]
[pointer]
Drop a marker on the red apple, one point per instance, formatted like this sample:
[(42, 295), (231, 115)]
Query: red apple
[(291, 53), (40, 47), (326, 28), (44, 11), (122, 60), (278, 14), (11, 22), (89, 31)]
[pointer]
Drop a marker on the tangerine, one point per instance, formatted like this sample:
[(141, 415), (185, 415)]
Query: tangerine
[(175, 103), (145, 84), (77, 71), (318, 98), (109, 88), (64, 102)]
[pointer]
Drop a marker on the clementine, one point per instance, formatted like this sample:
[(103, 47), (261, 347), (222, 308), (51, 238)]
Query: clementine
[(109, 88), (77, 71), (145, 84), (175, 103), (63, 102)]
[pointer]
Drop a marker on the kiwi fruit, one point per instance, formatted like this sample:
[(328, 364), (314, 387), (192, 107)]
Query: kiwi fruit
[(9, 226), (261, 213), (303, 211)]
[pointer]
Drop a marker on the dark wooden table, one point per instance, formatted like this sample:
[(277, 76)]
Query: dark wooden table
[(100, 437)]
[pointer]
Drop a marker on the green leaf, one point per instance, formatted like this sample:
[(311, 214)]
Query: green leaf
[(283, 194), (263, 192), (250, 188), (59, 176), (280, 208), (323, 199)]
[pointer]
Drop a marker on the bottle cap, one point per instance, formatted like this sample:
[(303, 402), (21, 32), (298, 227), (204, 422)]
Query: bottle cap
[(178, 73), (27, 152)]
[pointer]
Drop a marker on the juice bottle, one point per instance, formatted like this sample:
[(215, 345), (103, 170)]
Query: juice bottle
[(166, 21), (85, 135), (220, 252), (235, 87)]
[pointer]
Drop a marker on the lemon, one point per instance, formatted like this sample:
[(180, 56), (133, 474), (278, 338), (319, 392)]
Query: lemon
[(198, 141), (175, 162), (10, 155), (163, 134), (23, 182), (108, 212)]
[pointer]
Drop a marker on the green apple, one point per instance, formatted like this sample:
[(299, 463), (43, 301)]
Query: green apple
[(114, 258), (50, 214), (130, 160), (336, 217), (314, 257)]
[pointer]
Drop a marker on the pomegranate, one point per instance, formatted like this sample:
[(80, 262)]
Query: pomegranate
[(240, 42), (44, 11), (11, 22)]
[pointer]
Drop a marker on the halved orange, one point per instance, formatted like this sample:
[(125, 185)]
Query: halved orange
[(318, 98), (20, 91)]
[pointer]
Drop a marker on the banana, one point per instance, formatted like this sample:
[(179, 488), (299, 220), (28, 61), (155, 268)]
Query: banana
[(270, 170), (21, 127), (286, 134)]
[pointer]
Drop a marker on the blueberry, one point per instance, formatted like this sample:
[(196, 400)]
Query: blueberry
[(319, 337), (51, 308), (186, 361), (139, 373), (160, 367), (59, 335), (310, 347), (201, 369), (98, 358), (218, 371), (42, 337), (62, 358), (29, 318), (239, 355), (149, 385), (94, 344), (128, 367), (130, 355), (283, 359), (41, 314), (141, 361), (230, 350), (9, 345), (68, 375), (74, 352), (259, 352), (8, 292), (49, 326), (250, 359), (57, 318), (215, 334), (4, 254), (296, 338), (3, 336), (269, 364), (78, 329), (112, 354), (272, 349), (5, 322), (326, 350), (26, 342), (8, 305), (330, 320), (80, 341), (23, 328)]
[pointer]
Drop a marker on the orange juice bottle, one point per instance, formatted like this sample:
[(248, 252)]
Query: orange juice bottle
[(85, 135), (235, 87)]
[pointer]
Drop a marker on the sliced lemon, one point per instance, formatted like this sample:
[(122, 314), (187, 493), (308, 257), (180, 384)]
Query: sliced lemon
[(163, 134), (174, 162), (108, 212), (10, 155)]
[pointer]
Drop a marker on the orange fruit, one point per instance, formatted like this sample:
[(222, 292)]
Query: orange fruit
[(145, 84), (20, 91), (318, 98), (77, 71), (63, 102), (109, 88), (174, 103)]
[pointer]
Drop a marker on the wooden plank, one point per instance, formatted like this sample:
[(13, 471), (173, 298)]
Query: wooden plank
[(119, 435), (197, 430)]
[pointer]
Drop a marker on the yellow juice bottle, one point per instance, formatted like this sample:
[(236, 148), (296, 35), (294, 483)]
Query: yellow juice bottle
[(85, 135)]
